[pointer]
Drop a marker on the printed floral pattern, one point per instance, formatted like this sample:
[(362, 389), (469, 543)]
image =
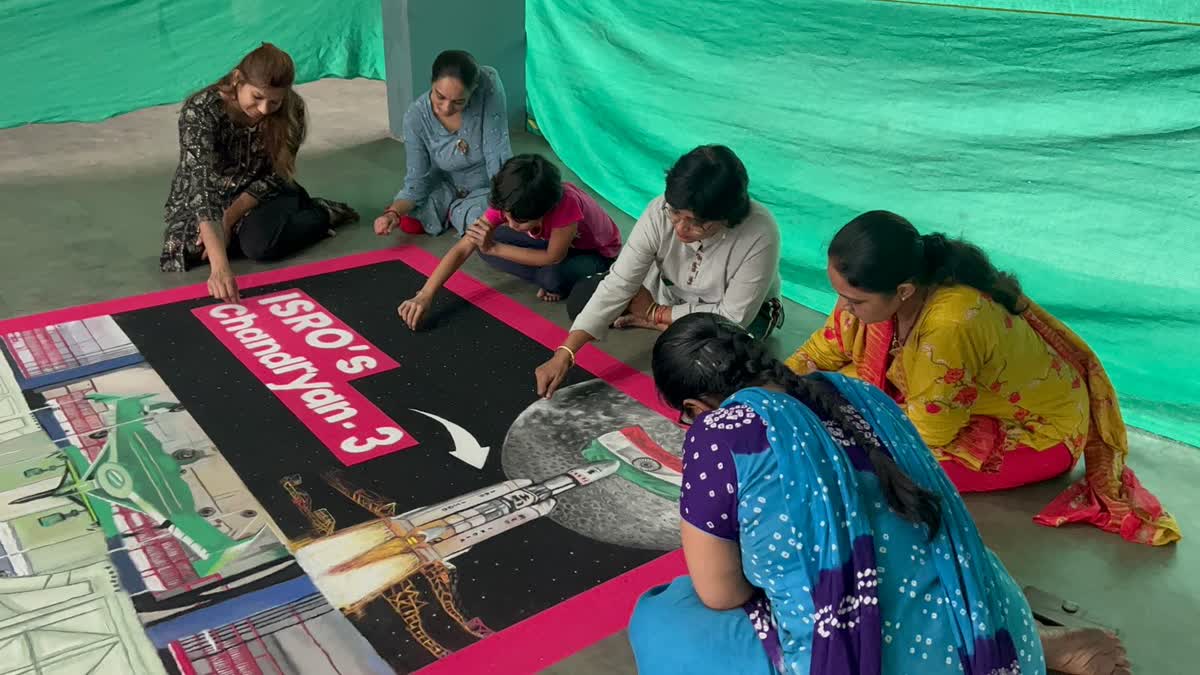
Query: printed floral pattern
[(218, 161), (943, 383), (978, 382)]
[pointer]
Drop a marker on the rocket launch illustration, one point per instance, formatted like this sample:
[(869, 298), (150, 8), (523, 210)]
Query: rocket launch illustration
[(355, 565)]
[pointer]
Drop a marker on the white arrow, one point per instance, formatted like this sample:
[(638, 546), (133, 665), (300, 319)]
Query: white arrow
[(466, 448)]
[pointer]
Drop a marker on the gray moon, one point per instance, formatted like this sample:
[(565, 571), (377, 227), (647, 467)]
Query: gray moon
[(548, 438)]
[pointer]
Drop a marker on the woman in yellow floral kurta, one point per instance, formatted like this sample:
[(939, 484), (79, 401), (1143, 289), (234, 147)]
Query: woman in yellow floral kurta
[(1003, 393), (967, 404)]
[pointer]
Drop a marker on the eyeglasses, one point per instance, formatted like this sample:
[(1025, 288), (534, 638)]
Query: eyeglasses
[(688, 222), (686, 419)]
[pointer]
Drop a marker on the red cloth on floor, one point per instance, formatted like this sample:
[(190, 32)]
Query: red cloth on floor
[(410, 225)]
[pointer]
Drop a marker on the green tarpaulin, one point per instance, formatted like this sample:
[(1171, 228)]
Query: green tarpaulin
[(92, 59), (1068, 147), (1162, 11)]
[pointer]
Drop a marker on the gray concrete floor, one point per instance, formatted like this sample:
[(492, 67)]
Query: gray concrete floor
[(82, 222)]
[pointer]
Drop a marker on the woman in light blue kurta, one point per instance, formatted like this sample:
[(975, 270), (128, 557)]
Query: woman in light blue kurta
[(817, 521), (456, 139)]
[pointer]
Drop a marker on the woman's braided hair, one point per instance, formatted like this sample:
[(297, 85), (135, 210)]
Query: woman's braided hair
[(705, 356)]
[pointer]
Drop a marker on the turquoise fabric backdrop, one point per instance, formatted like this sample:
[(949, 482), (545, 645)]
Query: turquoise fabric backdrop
[(1068, 147), (88, 60)]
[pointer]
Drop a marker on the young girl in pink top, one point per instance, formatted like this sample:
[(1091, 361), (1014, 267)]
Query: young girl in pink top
[(538, 228)]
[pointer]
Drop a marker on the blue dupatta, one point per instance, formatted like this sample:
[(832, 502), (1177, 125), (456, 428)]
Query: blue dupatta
[(812, 520)]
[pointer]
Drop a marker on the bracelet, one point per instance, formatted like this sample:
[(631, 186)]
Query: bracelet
[(394, 212), (651, 311), (570, 352), (662, 315)]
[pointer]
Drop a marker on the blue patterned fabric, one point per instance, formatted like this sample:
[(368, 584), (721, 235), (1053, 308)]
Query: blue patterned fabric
[(852, 587), (448, 174)]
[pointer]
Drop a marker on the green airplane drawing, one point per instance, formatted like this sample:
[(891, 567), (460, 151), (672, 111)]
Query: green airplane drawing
[(133, 471)]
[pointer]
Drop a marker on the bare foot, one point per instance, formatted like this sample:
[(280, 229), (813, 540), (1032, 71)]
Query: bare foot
[(1083, 651), (547, 296)]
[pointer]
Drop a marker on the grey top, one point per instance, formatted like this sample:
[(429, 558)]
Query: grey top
[(730, 274), (465, 160)]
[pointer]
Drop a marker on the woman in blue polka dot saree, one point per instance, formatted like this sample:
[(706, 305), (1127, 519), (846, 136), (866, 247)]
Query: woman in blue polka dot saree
[(823, 538)]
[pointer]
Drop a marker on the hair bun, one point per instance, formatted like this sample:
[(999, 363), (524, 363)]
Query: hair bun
[(740, 341), (936, 250), (747, 352)]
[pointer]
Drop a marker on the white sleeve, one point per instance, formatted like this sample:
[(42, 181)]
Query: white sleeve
[(626, 276)]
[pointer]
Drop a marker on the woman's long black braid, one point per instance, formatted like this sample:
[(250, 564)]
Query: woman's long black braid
[(742, 362)]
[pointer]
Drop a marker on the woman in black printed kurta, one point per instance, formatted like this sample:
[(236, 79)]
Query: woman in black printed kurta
[(234, 190)]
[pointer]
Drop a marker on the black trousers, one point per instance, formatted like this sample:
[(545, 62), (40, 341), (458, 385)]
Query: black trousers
[(559, 278), (286, 223)]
